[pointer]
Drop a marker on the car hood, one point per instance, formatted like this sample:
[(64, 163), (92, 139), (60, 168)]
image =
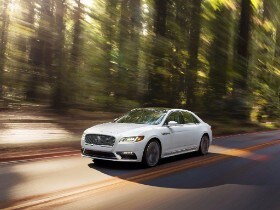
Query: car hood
[(117, 128)]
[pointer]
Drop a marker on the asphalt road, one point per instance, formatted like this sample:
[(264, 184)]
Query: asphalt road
[(241, 172)]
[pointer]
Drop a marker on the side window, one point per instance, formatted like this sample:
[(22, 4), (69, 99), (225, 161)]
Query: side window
[(195, 119), (175, 116), (189, 118)]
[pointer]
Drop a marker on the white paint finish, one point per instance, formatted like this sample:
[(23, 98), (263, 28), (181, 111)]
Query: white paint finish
[(174, 139)]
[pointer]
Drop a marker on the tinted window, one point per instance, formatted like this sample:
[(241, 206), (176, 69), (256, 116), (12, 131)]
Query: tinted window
[(143, 116), (175, 116), (189, 118)]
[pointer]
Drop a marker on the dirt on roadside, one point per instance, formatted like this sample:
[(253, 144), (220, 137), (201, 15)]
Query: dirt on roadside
[(39, 129), (36, 129)]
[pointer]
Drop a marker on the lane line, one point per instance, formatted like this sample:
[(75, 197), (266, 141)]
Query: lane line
[(75, 152), (27, 158), (36, 159), (115, 182), (39, 154)]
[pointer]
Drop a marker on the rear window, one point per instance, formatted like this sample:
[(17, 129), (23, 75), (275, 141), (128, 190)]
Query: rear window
[(189, 118)]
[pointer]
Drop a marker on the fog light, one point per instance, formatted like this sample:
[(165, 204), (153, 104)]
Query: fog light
[(127, 155)]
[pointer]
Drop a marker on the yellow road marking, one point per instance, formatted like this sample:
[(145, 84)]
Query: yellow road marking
[(115, 182)]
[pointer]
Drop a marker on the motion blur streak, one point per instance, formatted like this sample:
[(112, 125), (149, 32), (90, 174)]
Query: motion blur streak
[(154, 173), (217, 58)]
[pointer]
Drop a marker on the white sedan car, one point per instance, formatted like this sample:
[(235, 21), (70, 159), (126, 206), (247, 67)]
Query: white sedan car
[(147, 135)]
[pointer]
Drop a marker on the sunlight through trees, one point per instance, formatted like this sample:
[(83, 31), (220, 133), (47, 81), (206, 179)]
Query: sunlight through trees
[(216, 57)]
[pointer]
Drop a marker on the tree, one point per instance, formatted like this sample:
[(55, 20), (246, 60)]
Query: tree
[(277, 44), (277, 58), (276, 10), (243, 44), (108, 63), (178, 18), (266, 36), (75, 53), (59, 56), (221, 27), (129, 26), (3, 42), (134, 45), (77, 29), (193, 46), (239, 106), (120, 87), (41, 51), (155, 77)]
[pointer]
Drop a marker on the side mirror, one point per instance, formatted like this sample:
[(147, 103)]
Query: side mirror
[(171, 123)]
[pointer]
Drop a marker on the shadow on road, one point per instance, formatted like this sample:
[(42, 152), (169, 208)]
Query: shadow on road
[(117, 168), (228, 170), (8, 180)]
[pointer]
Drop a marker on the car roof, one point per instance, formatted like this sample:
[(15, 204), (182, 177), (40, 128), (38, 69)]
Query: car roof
[(163, 109), (168, 110)]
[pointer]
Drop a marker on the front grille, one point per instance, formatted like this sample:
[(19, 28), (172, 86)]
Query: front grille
[(99, 154), (100, 139)]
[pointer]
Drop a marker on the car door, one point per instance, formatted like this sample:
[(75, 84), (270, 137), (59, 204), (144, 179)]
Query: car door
[(192, 128), (177, 132)]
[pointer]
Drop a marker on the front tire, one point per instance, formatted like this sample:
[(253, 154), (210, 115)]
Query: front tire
[(204, 145), (151, 154)]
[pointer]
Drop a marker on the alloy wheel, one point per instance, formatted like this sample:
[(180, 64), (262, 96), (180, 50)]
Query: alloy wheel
[(152, 153)]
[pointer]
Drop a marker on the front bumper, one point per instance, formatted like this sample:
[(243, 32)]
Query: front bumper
[(125, 152)]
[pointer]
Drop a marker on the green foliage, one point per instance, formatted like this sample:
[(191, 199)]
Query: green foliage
[(120, 54)]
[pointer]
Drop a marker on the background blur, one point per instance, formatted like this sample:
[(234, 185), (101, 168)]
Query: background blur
[(219, 58)]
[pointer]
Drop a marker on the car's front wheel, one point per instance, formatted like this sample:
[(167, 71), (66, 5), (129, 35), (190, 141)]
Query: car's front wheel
[(151, 154), (204, 145)]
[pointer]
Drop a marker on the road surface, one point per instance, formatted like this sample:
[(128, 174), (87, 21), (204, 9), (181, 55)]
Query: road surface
[(241, 172)]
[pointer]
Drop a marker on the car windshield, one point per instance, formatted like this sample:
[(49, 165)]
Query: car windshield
[(143, 116)]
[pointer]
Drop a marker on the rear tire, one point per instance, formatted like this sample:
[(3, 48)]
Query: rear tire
[(204, 145), (151, 155)]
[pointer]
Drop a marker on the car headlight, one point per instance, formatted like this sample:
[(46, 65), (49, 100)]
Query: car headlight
[(132, 139)]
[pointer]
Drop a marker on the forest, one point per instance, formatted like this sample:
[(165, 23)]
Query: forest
[(220, 58)]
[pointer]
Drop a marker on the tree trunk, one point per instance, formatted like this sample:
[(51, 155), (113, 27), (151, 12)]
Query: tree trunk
[(107, 64), (219, 58), (121, 77), (277, 44), (130, 24), (155, 78), (3, 43), (194, 37), (75, 51), (267, 7), (41, 52), (243, 44), (239, 106), (277, 58), (135, 25), (176, 81), (59, 56), (75, 54), (266, 38)]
